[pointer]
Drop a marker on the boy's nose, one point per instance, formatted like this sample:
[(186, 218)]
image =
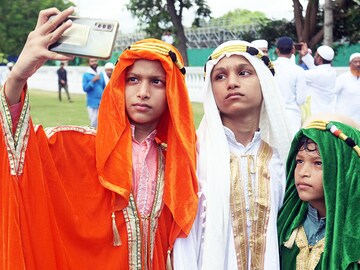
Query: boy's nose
[(233, 82), (143, 91)]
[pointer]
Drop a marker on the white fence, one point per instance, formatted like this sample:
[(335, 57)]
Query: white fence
[(46, 79)]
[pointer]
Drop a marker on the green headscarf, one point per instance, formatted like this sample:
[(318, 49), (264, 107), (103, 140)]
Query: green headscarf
[(341, 182)]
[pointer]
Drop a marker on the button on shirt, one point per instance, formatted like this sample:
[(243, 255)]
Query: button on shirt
[(313, 226)]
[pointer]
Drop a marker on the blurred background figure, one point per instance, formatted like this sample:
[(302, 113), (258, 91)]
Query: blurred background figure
[(291, 81), (320, 78), (5, 74), (347, 90), (108, 70), (167, 37), (62, 81), (261, 44), (93, 84)]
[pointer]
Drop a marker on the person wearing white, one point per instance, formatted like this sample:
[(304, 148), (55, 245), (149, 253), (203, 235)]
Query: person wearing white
[(108, 70), (320, 78), (242, 146), (167, 37), (291, 81), (347, 90), (261, 44)]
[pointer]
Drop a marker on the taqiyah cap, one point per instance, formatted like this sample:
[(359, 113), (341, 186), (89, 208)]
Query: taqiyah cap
[(259, 43), (10, 64), (326, 52), (354, 55), (109, 65)]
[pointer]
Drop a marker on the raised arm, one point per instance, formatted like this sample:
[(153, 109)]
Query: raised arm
[(35, 51)]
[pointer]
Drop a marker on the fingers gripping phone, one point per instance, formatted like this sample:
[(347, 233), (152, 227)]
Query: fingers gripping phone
[(88, 37)]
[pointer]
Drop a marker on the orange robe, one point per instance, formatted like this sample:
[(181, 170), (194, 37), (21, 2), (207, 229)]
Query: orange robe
[(59, 188)]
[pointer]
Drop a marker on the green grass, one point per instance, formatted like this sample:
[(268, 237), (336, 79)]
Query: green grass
[(48, 111)]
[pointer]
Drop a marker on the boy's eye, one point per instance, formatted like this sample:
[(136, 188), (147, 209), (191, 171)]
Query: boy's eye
[(299, 161), (244, 72), (220, 77), (318, 163), (131, 79)]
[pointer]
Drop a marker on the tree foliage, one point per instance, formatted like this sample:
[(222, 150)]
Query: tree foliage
[(310, 27), (18, 18), (157, 15), (240, 17)]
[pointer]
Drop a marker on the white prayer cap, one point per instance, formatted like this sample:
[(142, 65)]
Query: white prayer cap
[(354, 55), (109, 65), (10, 64), (259, 43), (326, 52)]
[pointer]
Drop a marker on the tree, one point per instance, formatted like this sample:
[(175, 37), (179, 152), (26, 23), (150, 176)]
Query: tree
[(343, 16), (157, 15), (17, 21)]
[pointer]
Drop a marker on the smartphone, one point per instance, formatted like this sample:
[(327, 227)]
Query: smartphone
[(298, 46), (88, 37)]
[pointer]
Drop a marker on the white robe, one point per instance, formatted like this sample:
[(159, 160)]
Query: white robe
[(321, 82), (188, 251), (292, 84), (348, 95)]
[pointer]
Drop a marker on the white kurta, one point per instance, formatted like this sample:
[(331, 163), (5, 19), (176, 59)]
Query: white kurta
[(321, 85), (188, 251), (348, 95), (292, 84)]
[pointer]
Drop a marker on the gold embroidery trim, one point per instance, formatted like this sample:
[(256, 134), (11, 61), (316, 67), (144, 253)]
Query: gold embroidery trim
[(138, 251), (309, 256), (259, 207), (16, 145)]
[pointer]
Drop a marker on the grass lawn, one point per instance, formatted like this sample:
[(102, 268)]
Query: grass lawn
[(48, 111)]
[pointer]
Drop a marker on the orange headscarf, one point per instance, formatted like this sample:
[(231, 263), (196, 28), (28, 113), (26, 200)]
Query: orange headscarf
[(176, 129)]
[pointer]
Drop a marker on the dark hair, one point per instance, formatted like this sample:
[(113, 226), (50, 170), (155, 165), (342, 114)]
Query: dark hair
[(308, 145)]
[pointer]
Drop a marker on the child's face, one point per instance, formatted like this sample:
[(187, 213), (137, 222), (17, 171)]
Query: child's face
[(236, 86), (308, 175), (145, 93)]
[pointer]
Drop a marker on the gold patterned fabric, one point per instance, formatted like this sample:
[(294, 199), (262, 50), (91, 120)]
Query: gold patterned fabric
[(257, 213)]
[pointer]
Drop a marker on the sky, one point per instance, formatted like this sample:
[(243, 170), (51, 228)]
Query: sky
[(116, 9)]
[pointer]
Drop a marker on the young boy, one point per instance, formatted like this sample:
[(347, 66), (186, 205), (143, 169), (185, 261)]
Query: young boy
[(114, 199), (318, 223), (242, 147)]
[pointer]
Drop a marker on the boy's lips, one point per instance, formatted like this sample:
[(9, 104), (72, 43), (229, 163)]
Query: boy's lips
[(234, 94), (302, 185), (141, 107)]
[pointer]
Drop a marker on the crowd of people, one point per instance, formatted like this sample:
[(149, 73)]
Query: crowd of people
[(254, 187)]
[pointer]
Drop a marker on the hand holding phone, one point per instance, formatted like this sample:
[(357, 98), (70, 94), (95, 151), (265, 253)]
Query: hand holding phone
[(298, 46), (88, 37)]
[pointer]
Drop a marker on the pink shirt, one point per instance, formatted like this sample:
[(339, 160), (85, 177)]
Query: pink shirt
[(15, 111), (144, 157)]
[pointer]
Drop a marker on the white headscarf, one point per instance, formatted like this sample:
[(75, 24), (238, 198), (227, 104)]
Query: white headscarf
[(213, 148)]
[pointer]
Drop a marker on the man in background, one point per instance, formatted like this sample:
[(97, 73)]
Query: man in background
[(62, 81), (167, 37), (5, 74), (347, 90), (93, 84), (108, 70), (320, 78), (291, 82), (261, 44)]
